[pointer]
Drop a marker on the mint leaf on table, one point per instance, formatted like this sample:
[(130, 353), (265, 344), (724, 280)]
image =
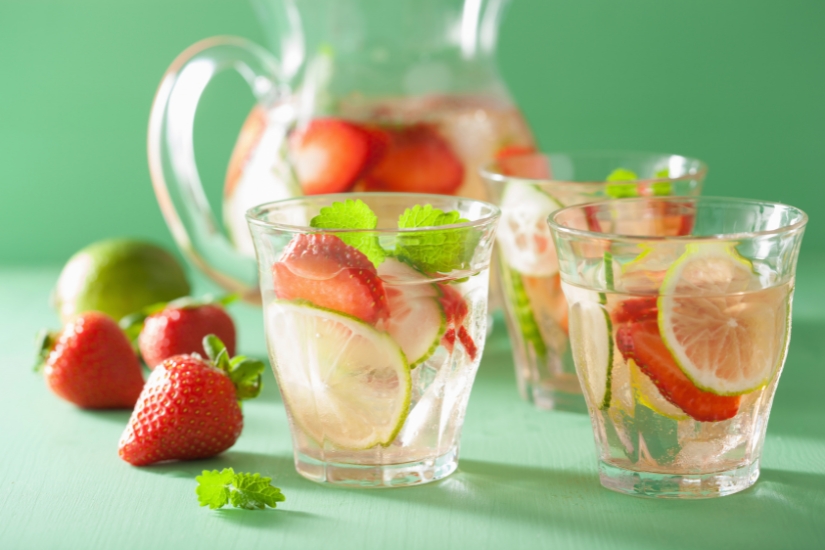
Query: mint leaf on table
[(619, 190), (352, 214), (249, 491), (435, 251)]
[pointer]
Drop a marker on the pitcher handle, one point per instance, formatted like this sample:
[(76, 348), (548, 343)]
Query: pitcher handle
[(171, 151)]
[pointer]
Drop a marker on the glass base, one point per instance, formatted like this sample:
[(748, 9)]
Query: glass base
[(382, 476), (648, 484)]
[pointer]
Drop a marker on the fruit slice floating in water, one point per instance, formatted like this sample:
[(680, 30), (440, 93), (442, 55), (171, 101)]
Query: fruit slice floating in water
[(724, 333), (330, 155), (646, 393), (641, 343), (592, 346), (456, 310), (416, 159), (343, 381), (325, 271), (523, 234), (416, 320)]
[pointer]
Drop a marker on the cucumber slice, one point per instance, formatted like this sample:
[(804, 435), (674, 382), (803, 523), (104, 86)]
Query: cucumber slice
[(417, 320), (591, 340), (523, 234)]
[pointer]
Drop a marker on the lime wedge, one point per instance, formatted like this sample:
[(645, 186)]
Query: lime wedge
[(726, 333), (523, 234), (343, 382)]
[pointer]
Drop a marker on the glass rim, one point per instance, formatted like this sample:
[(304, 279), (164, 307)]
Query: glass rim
[(799, 224), (488, 172), (252, 215)]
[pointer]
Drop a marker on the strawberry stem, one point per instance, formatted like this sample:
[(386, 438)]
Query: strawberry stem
[(244, 372)]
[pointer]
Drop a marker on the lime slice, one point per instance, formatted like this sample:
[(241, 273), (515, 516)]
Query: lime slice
[(343, 382), (646, 393), (523, 234), (725, 333), (417, 320), (591, 340)]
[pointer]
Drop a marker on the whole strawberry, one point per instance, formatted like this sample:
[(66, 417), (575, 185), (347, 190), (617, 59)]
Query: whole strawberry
[(189, 407), (91, 363), (179, 328)]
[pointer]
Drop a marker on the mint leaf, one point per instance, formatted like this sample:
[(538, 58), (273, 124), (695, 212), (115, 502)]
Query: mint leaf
[(249, 491), (621, 190), (662, 187), (352, 214), (435, 251), (213, 487), (254, 492)]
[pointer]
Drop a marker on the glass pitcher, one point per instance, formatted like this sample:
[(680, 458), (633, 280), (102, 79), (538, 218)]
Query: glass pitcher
[(364, 95)]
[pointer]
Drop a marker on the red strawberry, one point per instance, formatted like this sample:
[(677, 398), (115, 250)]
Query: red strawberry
[(329, 155), (418, 160), (642, 343), (322, 269), (93, 364), (636, 309), (455, 310), (189, 407), (523, 161), (178, 330)]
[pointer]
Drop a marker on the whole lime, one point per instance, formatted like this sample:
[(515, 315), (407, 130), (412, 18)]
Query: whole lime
[(118, 277)]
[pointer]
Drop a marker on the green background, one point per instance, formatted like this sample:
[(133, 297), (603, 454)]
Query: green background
[(737, 83)]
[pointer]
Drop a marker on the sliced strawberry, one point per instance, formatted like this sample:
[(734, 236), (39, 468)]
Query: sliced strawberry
[(642, 343), (523, 162), (456, 310), (322, 269), (635, 310), (379, 142), (418, 160), (329, 155), (467, 341)]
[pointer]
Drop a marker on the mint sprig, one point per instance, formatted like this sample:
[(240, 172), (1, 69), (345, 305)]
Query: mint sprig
[(435, 251), (248, 491), (619, 190), (431, 251), (352, 214)]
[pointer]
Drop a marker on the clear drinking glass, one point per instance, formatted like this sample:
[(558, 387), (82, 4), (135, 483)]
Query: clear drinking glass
[(679, 340), (375, 336), (529, 186)]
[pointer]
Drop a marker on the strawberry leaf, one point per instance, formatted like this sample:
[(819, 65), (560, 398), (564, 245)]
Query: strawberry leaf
[(246, 375), (249, 491), (435, 251), (352, 214)]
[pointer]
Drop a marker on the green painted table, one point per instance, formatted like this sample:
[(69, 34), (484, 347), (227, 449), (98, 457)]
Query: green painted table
[(527, 478)]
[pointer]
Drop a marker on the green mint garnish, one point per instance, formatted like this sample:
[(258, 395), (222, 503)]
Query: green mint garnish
[(352, 214), (619, 190), (249, 491), (662, 188), (435, 251)]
